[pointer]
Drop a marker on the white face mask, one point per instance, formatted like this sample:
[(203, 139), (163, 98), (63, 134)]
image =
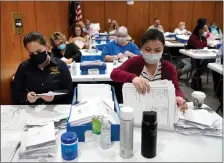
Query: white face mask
[(121, 40), (151, 58), (182, 27), (204, 34)]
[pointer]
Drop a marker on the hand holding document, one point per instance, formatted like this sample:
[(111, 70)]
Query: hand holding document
[(151, 101), (202, 121), (51, 93)]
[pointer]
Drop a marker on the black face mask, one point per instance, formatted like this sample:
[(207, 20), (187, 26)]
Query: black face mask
[(39, 58)]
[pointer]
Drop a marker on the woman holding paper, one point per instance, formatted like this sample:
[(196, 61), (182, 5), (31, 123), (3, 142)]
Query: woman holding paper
[(78, 37), (66, 52), (149, 66)]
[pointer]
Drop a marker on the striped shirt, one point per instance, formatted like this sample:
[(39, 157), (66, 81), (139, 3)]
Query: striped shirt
[(157, 75)]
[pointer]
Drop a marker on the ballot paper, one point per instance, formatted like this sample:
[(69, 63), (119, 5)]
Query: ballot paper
[(92, 63), (42, 114), (10, 142), (123, 59), (93, 91), (83, 112), (160, 99), (80, 43), (38, 141), (50, 93), (203, 121)]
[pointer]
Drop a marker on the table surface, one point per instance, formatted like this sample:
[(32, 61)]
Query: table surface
[(86, 78), (171, 147), (198, 55), (216, 67), (172, 44), (85, 52)]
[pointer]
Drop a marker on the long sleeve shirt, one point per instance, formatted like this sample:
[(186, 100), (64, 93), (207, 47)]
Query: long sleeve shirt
[(134, 66), (54, 77), (195, 42), (71, 51)]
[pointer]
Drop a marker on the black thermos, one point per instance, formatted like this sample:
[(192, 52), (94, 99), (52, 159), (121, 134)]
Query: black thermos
[(149, 134)]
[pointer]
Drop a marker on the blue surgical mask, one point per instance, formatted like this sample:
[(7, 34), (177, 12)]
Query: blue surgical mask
[(151, 58), (204, 34), (62, 47)]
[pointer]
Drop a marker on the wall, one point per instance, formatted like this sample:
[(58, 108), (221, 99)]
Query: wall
[(139, 16), (46, 17)]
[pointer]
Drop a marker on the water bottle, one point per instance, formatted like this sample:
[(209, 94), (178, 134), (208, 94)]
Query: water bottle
[(149, 134), (219, 56), (105, 137), (126, 132), (74, 70)]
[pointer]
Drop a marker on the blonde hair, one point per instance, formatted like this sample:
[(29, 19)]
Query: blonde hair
[(180, 24), (57, 36)]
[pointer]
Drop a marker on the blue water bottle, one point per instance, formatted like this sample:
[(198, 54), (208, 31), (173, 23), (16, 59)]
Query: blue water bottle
[(69, 146)]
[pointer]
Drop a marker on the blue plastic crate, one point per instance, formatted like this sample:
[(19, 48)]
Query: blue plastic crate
[(81, 129), (100, 47), (181, 40), (85, 69), (92, 58)]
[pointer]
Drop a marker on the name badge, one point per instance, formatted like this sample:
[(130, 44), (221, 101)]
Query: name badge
[(93, 72)]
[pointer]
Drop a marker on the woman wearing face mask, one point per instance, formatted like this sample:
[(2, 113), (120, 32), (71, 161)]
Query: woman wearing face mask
[(77, 34), (214, 29), (180, 30), (141, 70), (67, 52), (41, 74)]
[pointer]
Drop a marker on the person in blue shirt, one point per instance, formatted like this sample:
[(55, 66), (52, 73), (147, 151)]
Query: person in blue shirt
[(120, 48), (214, 29)]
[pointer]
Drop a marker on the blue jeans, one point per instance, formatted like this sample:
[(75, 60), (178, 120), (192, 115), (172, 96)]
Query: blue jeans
[(187, 65)]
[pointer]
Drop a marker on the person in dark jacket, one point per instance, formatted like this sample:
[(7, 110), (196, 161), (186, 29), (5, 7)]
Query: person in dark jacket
[(67, 52), (141, 70), (41, 74)]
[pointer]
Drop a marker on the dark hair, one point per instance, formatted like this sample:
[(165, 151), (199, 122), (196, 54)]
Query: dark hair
[(200, 24), (73, 28), (153, 34), (34, 36)]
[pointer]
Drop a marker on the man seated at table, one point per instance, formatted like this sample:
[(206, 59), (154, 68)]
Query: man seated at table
[(120, 47), (41, 73), (156, 25)]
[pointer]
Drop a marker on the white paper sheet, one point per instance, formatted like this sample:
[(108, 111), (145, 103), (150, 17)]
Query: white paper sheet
[(80, 43), (51, 94), (161, 99)]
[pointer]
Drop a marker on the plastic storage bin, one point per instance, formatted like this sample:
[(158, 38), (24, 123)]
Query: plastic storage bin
[(81, 129), (92, 58), (101, 69)]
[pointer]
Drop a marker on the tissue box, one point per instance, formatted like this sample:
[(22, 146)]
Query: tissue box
[(81, 129), (93, 69)]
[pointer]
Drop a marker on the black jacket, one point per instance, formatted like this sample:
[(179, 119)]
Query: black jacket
[(72, 51), (54, 77)]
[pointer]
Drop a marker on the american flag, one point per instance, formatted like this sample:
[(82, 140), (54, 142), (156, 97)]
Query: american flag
[(78, 12), (75, 14)]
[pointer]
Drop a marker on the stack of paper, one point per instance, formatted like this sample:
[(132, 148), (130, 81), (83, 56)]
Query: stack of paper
[(92, 63), (38, 142), (161, 99), (42, 114), (10, 142), (94, 91), (83, 113), (202, 121)]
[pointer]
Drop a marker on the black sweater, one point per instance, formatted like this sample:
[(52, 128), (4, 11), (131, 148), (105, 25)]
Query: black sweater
[(72, 51)]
